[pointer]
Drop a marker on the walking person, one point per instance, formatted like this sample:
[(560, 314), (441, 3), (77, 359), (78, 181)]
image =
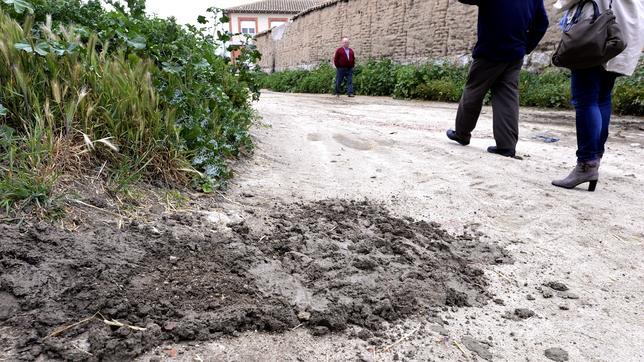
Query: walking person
[(592, 88), (507, 31), (344, 61)]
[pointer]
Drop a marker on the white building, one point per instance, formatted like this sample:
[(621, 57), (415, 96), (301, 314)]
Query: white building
[(263, 15)]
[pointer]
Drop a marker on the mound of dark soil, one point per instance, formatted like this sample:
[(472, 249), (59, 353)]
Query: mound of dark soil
[(324, 265)]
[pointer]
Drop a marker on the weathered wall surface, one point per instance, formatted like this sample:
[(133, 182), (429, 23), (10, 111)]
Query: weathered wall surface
[(406, 31)]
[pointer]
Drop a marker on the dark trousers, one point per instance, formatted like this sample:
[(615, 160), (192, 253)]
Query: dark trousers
[(503, 80), (340, 75), (592, 97)]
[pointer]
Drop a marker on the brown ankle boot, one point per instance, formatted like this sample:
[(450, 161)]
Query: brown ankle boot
[(584, 172)]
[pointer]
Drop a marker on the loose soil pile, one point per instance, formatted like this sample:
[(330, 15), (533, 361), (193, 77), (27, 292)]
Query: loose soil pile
[(324, 265)]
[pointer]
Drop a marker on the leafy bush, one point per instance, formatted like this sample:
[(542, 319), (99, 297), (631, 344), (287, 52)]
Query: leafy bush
[(548, 89), (407, 80), (445, 82), (376, 78), (319, 80), (143, 97), (628, 97)]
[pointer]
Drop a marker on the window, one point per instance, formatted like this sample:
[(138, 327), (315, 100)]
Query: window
[(248, 26), (275, 22)]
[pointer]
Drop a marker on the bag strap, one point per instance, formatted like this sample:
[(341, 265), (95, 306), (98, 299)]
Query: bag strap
[(580, 9)]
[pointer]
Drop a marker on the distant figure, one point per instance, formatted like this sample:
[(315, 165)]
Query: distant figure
[(344, 61), (507, 31), (592, 89)]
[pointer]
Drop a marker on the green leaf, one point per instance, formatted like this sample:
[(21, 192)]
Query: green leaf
[(202, 19), (137, 42), (20, 5), (170, 68), (3, 111), (24, 47), (42, 48)]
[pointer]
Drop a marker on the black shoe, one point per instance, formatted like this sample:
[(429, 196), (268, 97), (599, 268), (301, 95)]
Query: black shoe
[(507, 152), (351, 95), (451, 134)]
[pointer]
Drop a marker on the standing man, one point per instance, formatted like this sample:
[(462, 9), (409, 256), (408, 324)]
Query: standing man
[(344, 61), (507, 31)]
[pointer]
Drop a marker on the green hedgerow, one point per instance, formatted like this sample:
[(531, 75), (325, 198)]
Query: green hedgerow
[(549, 88)]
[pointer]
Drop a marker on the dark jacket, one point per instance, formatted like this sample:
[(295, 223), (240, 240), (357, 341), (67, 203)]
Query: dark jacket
[(340, 59), (508, 29)]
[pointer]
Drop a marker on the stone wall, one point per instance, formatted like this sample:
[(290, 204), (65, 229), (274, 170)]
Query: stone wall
[(406, 31)]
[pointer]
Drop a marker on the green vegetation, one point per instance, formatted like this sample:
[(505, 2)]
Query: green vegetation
[(445, 82), (116, 93)]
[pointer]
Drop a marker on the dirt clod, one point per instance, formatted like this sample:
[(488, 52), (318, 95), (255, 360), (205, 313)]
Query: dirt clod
[(481, 349), (556, 354), (519, 314), (524, 313), (342, 262), (559, 286)]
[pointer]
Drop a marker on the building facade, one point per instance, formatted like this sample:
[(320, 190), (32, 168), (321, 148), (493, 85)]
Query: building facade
[(254, 18)]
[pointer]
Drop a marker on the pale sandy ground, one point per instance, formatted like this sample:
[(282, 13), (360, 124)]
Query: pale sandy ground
[(315, 146)]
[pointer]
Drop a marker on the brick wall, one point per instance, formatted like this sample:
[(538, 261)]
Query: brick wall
[(407, 31)]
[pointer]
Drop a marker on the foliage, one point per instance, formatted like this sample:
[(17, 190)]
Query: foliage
[(318, 80), (445, 82), (143, 96), (550, 88), (628, 97), (376, 78)]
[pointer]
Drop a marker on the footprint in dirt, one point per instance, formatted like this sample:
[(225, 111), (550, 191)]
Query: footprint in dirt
[(315, 137), (356, 144)]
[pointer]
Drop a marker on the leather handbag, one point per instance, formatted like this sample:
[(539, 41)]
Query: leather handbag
[(590, 42)]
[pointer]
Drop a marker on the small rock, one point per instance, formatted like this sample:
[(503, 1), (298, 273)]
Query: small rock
[(172, 352), (173, 259), (530, 297), (168, 326), (319, 331), (547, 294), (524, 313), (556, 354), (477, 347), (365, 334), (568, 295), (440, 330), (559, 286), (304, 316), (564, 307), (499, 301)]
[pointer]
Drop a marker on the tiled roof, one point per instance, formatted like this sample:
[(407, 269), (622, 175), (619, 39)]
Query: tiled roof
[(275, 6)]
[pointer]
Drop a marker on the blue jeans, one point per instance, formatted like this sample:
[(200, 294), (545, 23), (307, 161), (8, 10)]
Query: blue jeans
[(340, 75), (592, 97)]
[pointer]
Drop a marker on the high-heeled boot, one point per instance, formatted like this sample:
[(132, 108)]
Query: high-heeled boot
[(584, 172)]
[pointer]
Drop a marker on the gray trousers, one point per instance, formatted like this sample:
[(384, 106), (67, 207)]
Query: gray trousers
[(503, 80)]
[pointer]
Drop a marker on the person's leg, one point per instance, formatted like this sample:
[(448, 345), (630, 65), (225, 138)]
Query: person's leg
[(505, 108), (605, 107), (339, 75), (482, 75), (585, 88), (350, 81)]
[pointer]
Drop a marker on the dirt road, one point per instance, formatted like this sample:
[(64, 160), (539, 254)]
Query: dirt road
[(356, 231), (312, 147)]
